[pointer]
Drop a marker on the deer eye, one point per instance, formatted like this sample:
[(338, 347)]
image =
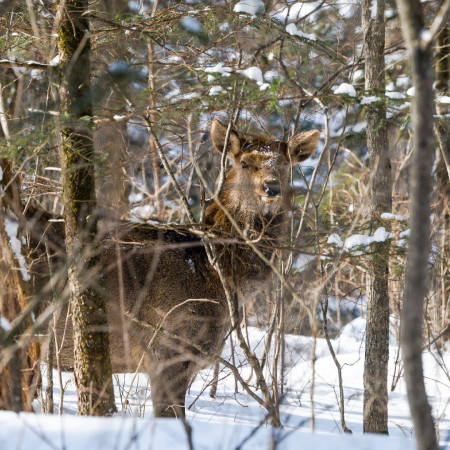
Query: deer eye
[(244, 165)]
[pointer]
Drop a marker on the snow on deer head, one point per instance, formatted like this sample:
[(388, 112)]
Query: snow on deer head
[(258, 181)]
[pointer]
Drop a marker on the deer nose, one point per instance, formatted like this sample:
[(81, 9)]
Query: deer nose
[(271, 188)]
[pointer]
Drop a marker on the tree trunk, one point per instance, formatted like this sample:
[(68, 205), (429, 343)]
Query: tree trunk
[(421, 57), (377, 328), (159, 205), (19, 369), (442, 215), (92, 366)]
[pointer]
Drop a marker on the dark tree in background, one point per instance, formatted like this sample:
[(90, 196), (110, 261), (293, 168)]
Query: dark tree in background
[(419, 44), (92, 369)]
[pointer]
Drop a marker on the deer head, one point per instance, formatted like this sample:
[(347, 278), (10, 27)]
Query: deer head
[(258, 181)]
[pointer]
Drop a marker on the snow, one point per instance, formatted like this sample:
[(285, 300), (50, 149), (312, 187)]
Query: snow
[(192, 25), (219, 68), (390, 216), (358, 74), (351, 208), (136, 197), (403, 81), (252, 7), (356, 241), (226, 421), (394, 57), (395, 95), (292, 12), (425, 35), (405, 233), (334, 239), (55, 61), (381, 235), (4, 324), (35, 431), (253, 73), (373, 9), (389, 13), (358, 127), (411, 91), (443, 99), (369, 100), (140, 213), (356, 329), (347, 8), (171, 59), (347, 89), (302, 262), (272, 75), (12, 228), (294, 31), (1, 173), (216, 90)]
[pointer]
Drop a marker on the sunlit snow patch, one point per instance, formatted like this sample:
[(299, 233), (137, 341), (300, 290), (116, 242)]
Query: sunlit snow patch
[(252, 7), (369, 100), (294, 31), (346, 89), (219, 68), (12, 228), (4, 323)]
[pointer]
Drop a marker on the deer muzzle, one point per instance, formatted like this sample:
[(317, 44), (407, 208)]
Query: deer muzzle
[(271, 188)]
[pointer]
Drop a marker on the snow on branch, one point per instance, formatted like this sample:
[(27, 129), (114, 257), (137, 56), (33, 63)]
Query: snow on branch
[(25, 64)]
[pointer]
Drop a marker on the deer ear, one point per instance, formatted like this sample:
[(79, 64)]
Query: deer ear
[(302, 146), (218, 134)]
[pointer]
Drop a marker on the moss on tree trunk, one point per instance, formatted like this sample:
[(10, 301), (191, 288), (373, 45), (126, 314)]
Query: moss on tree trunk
[(92, 366)]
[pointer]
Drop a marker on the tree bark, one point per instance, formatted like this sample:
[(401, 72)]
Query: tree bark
[(442, 215), (20, 377), (421, 58), (92, 366), (375, 419)]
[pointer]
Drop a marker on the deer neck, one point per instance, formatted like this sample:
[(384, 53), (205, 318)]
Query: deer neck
[(227, 214)]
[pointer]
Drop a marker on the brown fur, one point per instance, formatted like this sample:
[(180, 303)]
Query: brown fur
[(176, 315)]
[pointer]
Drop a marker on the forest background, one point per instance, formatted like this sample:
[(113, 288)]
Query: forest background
[(274, 68)]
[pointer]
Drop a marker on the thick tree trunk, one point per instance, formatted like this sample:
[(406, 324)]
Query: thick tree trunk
[(421, 57), (92, 366), (377, 327)]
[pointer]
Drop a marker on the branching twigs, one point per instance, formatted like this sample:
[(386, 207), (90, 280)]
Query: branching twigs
[(168, 170), (439, 22), (336, 362), (216, 262), (199, 349)]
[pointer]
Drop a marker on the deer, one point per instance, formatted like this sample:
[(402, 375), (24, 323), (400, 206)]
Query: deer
[(166, 305)]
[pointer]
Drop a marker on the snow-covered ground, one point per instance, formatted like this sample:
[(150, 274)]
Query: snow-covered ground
[(235, 420)]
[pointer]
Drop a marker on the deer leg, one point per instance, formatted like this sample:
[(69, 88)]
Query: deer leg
[(169, 385)]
